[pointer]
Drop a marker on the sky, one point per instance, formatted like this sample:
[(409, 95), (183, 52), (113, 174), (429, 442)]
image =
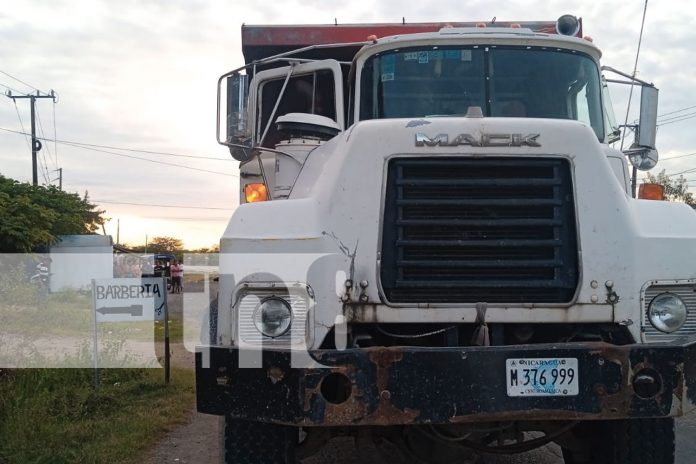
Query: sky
[(142, 75)]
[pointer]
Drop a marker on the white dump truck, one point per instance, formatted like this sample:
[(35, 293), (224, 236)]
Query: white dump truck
[(439, 249)]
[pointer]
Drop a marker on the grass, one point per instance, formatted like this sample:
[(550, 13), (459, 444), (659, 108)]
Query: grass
[(176, 331), (56, 415), (70, 315)]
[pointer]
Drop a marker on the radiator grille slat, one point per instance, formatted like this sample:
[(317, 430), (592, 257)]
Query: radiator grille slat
[(478, 222), (476, 182), (480, 202), (464, 230)]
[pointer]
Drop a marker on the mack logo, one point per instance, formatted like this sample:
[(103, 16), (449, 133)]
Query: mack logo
[(486, 140)]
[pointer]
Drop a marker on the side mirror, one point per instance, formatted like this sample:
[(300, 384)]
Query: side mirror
[(236, 126), (643, 159), (648, 117), (643, 154), (237, 93)]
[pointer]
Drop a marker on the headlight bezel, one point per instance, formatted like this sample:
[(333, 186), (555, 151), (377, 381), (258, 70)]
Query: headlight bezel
[(259, 312), (246, 298), (680, 312)]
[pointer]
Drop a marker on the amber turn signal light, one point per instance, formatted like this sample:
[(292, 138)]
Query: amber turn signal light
[(255, 192), (651, 192)]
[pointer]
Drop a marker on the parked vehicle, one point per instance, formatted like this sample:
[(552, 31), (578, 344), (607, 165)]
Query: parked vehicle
[(438, 245)]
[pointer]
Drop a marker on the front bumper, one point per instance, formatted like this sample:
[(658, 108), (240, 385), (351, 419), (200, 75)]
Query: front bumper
[(408, 385)]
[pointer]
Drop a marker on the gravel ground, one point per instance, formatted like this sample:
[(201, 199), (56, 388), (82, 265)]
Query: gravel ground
[(198, 442)]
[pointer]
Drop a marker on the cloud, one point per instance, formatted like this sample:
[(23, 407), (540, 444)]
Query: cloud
[(142, 74)]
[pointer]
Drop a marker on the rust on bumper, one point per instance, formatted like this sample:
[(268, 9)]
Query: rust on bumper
[(408, 385)]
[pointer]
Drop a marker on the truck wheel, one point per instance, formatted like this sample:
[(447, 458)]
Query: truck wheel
[(636, 441), (259, 443)]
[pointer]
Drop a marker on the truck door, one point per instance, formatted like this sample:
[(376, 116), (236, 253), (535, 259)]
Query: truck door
[(314, 88)]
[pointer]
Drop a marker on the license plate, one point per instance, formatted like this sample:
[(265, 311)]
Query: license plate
[(542, 376)]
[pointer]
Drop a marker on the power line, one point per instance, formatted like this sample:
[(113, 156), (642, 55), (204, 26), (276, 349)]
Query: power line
[(51, 157), (55, 144), (678, 156), (43, 167), (150, 152), (681, 172), (12, 89), (184, 218), (672, 118), (21, 124), (160, 206), (150, 160), (75, 145), (676, 111), (19, 80), (43, 135), (693, 115)]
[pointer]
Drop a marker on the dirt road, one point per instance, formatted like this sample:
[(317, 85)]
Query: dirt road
[(198, 442)]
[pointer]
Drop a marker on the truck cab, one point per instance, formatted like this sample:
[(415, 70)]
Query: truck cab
[(437, 240)]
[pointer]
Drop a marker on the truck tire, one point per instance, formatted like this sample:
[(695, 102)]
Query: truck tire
[(212, 322), (636, 441), (259, 443)]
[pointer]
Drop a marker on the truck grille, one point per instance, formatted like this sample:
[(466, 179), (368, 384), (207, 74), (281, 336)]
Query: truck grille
[(467, 230)]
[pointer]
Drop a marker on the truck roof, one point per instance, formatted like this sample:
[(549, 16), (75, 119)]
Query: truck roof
[(260, 41)]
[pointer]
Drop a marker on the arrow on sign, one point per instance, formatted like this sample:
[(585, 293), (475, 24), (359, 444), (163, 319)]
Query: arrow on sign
[(133, 310)]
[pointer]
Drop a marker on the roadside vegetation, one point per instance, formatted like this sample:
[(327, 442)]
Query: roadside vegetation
[(34, 216), (57, 416), (676, 188)]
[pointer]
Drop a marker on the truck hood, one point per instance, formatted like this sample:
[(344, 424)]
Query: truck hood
[(335, 211)]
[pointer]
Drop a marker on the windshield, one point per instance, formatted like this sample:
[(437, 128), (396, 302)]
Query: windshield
[(504, 81)]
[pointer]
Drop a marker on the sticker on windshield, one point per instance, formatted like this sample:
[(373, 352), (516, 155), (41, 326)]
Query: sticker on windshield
[(410, 56), (452, 54), (387, 77), (422, 57), (466, 55), (388, 64)]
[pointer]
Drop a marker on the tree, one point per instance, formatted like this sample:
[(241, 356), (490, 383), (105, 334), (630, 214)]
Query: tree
[(165, 245), (135, 248), (675, 189), (215, 248), (33, 216)]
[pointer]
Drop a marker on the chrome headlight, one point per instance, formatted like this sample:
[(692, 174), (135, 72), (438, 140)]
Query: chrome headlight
[(667, 312), (273, 316)]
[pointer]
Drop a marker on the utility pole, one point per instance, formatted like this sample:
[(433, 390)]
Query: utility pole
[(118, 231), (35, 143)]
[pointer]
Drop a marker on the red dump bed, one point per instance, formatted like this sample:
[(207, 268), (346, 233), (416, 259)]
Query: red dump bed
[(262, 41)]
